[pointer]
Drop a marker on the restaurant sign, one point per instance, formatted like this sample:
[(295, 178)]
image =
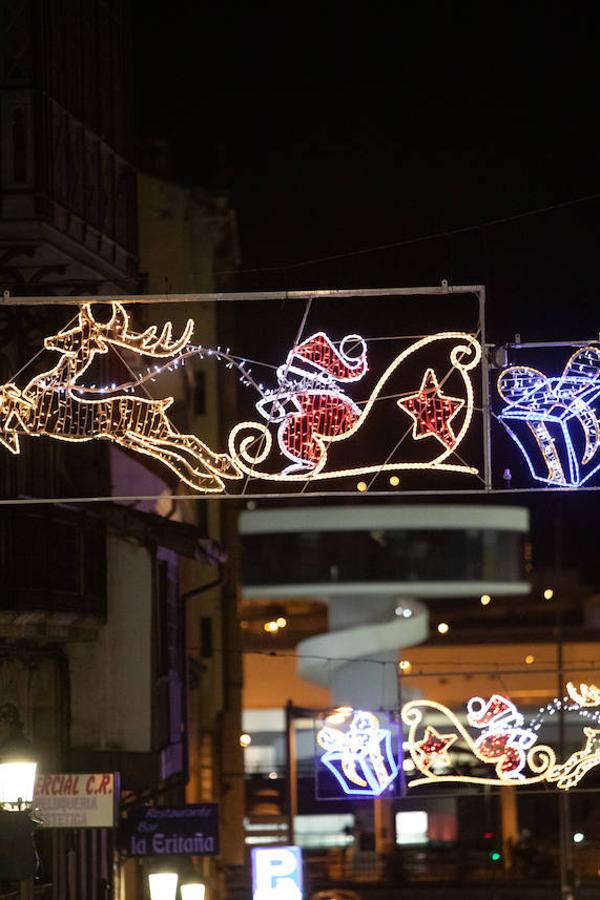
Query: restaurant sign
[(76, 800), (164, 831)]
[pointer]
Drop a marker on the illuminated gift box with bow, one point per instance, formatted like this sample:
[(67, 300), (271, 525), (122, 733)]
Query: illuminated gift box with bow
[(554, 421), (360, 756)]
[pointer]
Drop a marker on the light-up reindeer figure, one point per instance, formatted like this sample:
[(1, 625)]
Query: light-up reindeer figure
[(53, 404)]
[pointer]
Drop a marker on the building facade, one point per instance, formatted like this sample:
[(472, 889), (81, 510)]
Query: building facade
[(368, 607), (92, 629), (187, 237)]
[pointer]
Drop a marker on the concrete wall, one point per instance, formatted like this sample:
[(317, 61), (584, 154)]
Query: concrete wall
[(184, 235), (111, 679)]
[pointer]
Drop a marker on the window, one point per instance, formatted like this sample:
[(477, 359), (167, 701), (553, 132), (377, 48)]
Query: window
[(412, 826)]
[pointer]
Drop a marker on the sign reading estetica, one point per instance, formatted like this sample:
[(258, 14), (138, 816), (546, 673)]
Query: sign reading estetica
[(164, 831), (76, 801)]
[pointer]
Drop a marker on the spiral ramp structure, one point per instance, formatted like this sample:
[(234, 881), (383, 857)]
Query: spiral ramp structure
[(375, 567)]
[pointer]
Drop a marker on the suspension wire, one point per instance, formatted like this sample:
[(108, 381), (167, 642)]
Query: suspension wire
[(498, 670), (291, 495)]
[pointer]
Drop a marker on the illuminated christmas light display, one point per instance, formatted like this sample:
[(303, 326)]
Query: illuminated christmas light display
[(309, 410), (434, 747), (505, 741), (432, 411), (313, 411), (585, 695), (561, 417), (358, 752), (53, 405), (568, 774)]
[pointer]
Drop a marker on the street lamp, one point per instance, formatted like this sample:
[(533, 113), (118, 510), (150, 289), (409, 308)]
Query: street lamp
[(193, 891), (18, 859), (17, 781), (163, 885)]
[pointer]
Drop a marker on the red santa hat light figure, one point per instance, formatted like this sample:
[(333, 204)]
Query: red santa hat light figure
[(310, 403)]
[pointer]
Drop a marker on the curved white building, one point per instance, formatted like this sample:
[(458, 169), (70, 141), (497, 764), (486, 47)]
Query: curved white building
[(374, 566)]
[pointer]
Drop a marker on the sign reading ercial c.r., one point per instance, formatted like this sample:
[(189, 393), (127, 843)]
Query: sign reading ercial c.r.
[(74, 785)]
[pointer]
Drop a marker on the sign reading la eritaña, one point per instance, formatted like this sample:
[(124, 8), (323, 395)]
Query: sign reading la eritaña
[(164, 831)]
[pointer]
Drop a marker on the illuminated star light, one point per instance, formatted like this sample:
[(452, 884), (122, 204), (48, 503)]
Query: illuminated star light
[(435, 746), (432, 411)]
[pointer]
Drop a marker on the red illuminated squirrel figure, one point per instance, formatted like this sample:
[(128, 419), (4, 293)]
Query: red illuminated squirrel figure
[(310, 403)]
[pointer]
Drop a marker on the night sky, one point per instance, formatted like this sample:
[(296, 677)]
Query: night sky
[(338, 131)]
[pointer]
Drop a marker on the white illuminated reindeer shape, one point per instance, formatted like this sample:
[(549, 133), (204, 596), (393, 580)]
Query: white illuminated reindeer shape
[(52, 403)]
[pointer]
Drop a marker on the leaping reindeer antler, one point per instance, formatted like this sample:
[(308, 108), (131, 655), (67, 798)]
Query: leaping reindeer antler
[(116, 331)]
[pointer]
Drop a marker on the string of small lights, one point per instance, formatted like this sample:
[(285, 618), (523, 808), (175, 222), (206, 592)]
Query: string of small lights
[(309, 404)]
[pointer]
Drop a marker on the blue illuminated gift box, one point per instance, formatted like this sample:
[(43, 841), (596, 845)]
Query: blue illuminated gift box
[(365, 766), (554, 421)]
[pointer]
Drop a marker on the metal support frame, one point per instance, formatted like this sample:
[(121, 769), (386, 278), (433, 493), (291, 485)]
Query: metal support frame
[(236, 296), (291, 768), (441, 290), (550, 345), (485, 393)]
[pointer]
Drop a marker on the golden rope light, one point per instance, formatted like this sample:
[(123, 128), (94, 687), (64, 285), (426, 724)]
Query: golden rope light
[(51, 404), (312, 412)]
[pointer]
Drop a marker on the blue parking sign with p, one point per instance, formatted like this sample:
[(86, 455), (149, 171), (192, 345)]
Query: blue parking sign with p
[(277, 873)]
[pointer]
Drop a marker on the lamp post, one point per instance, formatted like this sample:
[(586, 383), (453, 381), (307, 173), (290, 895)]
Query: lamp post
[(194, 890), (163, 885), (17, 781), (18, 859)]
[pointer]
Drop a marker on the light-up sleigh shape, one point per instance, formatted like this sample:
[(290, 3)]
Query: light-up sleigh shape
[(500, 742), (310, 410), (303, 417)]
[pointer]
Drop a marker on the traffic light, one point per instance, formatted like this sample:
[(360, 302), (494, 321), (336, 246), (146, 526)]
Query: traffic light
[(494, 853)]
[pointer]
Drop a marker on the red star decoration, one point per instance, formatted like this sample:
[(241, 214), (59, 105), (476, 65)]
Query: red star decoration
[(432, 411), (435, 745)]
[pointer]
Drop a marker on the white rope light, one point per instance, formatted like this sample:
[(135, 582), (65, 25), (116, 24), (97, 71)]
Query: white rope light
[(309, 409), (504, 741)]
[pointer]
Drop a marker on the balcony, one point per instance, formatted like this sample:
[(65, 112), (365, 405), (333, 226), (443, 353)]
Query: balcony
[(420, 551)]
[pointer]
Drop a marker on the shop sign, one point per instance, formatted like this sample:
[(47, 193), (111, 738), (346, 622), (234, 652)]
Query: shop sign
[(164, 831), (77, 800), (277, 873)]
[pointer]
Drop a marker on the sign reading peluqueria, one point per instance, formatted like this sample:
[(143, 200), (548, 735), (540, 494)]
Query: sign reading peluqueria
[(166, 831), (77, 800)]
